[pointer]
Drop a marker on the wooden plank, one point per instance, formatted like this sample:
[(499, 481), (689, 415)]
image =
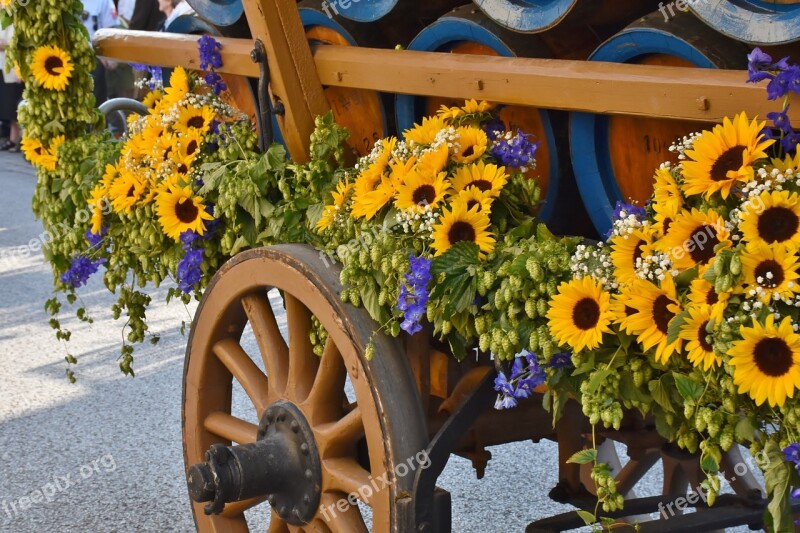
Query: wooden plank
[(609, 88), (294, 79)]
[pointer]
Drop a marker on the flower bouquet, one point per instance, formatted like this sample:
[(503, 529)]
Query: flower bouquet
[(689, 311)]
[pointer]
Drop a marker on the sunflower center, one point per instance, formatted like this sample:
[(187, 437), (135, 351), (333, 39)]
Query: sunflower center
[(196, 122), (191, 147), (730, 160), (473, 203), (424, 195), (586, 314), (778, 224), (182, 169), (131, 191), (482, 185), (630, 311), (703, 251), (773, 357), (638, 251), (469, 151), (711, 296), (667, 224), (461, 231), (167, 152), (769, 274), (662, 316), (186, 211), (53, 65), (702, 337)]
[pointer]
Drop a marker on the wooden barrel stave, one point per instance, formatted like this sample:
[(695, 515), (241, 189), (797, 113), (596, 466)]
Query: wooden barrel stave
[(756, 22), (220, 13), (614, 158), (466, 30)]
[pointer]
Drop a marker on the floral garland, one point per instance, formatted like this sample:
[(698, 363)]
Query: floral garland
[(689, 311)]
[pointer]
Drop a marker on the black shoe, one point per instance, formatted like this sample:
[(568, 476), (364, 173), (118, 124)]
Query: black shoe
[(6, 144)]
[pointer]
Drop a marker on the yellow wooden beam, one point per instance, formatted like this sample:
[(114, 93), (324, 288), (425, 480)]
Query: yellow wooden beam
[(594, 87)]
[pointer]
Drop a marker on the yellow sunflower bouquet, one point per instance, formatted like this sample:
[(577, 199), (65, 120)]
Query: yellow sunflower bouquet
[(690, 311)]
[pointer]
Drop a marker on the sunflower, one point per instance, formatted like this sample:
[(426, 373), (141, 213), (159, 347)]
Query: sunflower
[(626, 250), (621, 311), (767, 361), (699, 340), (52, 67), (189, 145), (655, 308), (771, 272), (399, 169), (193, 119), (462, 224), (367, 203), (179, 211), (487, 178), (666, 192), (471, 144), (152, 99), (98, 202), (788, 162), (720, 158), (178, 87), (434, 161), (470, 107), (109, 177), (693, 237), (579, 314), (426, 132), (34, 150), (703, 293), (49, 158), (772, 218), (126, 190), (422, 192), (473, 196), (339, 199)]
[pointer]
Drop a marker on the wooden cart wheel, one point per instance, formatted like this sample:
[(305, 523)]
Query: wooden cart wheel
[(386, 418)]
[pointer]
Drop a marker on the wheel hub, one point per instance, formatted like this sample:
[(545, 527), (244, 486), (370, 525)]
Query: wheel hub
[(283, 465)]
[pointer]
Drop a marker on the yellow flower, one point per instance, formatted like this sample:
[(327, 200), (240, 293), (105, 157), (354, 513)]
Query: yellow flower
[(626, 250), (425, 133), (194, 119), (51, 67), (152, 99), (34, 150), (399, 169), (724, 156), (473, 196), (49, 157), (621, 311), (470, 107), (462, 224), (579, 314), (434, 161), (703, 293), (771, 272), (788, 162), (339, 200), (772, 218), (178, 87), (487, 178), (655, 308), (471, 144), (693, 237), (767, 361), (699, 341), (422, 192), (179, 211), (126, 191), (367, 203), (666, 192), (98, 203)]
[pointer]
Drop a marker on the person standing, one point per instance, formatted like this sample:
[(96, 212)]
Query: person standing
[(10, 95), (99, 14), (174, 9), (146, 16)]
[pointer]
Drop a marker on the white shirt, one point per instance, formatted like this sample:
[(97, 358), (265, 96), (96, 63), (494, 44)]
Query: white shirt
[(125, 8), (98, 14), (181, 9)]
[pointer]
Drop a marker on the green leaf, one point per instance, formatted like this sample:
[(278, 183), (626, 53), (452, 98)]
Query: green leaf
[(458, 345), (709, 464), (456, 260), (661, 395), (675, 325), (212, 178), (597, 379), (665, 429), (745, 430), (583, 457), (587, 517), (369, 299), (688, 388), (628, 390), (777, 476), (543, 234), (5, 21)]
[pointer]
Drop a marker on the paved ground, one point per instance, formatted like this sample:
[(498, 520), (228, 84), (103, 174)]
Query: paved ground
[(104, 455)]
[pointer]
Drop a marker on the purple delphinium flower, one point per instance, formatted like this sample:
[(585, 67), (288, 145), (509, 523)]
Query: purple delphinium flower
[(493, 128), (526, 375), (189, 272), (561, 360), (210, 58), (156, 74), (784, 82), (517, 152), (533, 376), (217, 84), (790, 141), (413, 297), (81, 269), (792, 454), (758, 63), (506, 399), (94, 239), (623, 210)]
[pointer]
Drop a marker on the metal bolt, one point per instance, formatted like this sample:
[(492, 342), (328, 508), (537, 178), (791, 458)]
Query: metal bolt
[(272, 499), (296, 513), (306, 498), (425, 527), (284, 512), (304, 448), (295, 426), (309, 474)]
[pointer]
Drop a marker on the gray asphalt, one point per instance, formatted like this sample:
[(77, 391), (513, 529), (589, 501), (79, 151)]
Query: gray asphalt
[(104, 455)]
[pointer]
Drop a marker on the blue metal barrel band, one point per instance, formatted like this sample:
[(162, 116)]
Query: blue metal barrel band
[(751, 21)]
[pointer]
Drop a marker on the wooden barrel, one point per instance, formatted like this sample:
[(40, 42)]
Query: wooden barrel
[(614, 158), (220, 13), (240, 93), (466, 30), (761, 22), (362, 112), (373, 10), (535, 16)]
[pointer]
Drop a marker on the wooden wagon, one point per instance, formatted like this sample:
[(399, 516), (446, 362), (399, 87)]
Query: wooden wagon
[(341, 428)]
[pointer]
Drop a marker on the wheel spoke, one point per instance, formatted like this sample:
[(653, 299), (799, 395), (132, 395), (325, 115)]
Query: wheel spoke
[(325, 399), (346, 475), (276, 525), (336, 439), (238, 508), (251, 378), (271, 344), (303, 363), (231, 428), (349, 521)]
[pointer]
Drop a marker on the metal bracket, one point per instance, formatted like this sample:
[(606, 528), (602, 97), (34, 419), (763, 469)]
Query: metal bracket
[(266, 105)]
